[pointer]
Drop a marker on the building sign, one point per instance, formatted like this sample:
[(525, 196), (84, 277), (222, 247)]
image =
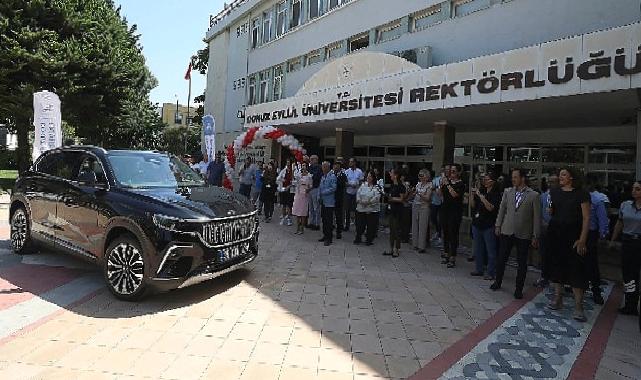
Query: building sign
[(596, 62), (47, 122)]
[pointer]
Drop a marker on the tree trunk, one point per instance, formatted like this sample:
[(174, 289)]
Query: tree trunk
[(23, 151)]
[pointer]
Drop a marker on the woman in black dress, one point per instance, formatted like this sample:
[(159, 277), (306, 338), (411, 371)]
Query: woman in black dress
[(567, 237), (395, 198), (268, 192)]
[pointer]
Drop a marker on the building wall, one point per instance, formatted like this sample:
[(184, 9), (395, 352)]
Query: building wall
[(501, 25), (169, 114)]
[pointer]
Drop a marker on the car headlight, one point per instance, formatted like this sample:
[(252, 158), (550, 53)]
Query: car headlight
[(171, 223)]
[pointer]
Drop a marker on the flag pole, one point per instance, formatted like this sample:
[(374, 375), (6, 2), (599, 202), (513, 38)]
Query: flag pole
[(188, 106)]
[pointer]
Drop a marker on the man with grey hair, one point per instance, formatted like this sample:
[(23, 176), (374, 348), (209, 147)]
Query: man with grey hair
[(327, 194), (314, 204)]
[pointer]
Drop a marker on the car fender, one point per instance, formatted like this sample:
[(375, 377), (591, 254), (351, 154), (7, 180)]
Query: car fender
[(132, 227)]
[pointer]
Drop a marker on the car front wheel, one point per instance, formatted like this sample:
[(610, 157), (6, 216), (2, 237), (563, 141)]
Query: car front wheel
[(21, 242), (124, 268)]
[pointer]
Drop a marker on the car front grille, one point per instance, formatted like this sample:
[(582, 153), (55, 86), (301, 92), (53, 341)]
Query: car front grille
[(229, 231)]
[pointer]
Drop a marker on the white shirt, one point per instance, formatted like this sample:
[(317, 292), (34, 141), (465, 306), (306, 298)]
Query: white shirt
[(354, 179), (201, 167)]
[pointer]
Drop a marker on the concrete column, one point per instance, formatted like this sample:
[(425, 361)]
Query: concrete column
[(638, 139), (443, 145), (344, 143)]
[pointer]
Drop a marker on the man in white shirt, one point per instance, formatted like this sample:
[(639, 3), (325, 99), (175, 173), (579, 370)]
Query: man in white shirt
[(201, 167), (354, 179)]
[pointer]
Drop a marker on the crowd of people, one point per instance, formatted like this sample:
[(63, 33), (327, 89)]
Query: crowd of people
[(564, 221)]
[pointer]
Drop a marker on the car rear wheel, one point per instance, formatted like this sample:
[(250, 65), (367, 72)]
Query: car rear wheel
[(124, 268), (21, 242)]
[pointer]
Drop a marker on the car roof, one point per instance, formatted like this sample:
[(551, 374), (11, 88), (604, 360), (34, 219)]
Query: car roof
[(97, 149)]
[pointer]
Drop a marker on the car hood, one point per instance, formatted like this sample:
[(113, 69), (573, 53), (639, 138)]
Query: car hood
[(198, 202)]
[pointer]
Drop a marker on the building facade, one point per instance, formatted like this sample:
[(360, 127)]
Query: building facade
[(500, 83), (176, 115)]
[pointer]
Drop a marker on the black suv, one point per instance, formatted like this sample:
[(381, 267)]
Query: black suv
[(145, 217)]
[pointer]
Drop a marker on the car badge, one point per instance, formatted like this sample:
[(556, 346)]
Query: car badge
[(231, 213)]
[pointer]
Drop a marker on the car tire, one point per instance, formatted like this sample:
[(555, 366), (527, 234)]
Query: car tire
[(124, 268), (20, 233)]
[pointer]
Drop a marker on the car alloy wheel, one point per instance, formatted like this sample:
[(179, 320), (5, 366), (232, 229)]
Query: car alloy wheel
[(125, 268), (20, 234)]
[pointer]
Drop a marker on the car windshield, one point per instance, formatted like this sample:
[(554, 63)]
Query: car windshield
[(149, 169)]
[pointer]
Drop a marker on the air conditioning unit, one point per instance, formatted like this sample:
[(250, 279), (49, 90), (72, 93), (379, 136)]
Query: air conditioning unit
[(421, 56)]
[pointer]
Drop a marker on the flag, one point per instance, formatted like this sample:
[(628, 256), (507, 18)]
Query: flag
[(188, 73)]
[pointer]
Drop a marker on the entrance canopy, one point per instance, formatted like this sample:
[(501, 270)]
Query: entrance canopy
[(589, 79)]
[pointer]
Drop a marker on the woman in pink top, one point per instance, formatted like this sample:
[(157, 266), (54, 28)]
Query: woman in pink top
[(301, 198)]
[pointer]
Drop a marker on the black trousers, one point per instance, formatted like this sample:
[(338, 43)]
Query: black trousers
[(631, 265), (338, 217), (434, 218), (366, 223), (268, 205), (327, 217), (349, 207), (592, 260), (451, 226), (395, 230), (543, 253), (505, 248)]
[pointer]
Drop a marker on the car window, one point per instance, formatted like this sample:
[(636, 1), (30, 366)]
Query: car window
[(49, 164), (64, 165), (92, 164), (145, 169)]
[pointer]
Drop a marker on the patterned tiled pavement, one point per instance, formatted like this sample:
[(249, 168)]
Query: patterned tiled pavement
[(300, 311)]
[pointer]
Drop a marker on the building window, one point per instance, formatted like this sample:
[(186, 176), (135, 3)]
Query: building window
[(315, 7), (465, 7), (267, 26), (334, 50), (251, 90), (296, 13), (388, 32), (335, 3), (313, 58), (264, 87), (427, 18), (281, 16), (293, 65), (359, 42), (255, 33), (278, 83)]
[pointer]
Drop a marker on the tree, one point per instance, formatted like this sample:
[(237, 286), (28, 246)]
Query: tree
[(84, 51), (200, 63)]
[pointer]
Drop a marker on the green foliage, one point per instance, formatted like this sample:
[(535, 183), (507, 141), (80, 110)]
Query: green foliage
[(200, 60), (85, 51), (173, 140)]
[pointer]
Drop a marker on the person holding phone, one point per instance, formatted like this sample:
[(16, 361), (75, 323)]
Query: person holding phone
[(629, 225), (567, 240), (395, 199), (452, 189)]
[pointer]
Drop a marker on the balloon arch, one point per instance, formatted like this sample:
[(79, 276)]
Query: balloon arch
[(246, 138)]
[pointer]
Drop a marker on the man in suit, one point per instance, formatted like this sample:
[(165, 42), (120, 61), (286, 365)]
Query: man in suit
[(518, 224), (327, 194)]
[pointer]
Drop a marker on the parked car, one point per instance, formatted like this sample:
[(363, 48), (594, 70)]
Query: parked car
[(145, 217)]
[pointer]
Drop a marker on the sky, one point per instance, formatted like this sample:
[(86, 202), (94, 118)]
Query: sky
[(171, 31)]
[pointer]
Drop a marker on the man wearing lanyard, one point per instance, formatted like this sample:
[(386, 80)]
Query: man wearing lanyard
[(517, 224), (354, 180), (314, 200), (599, 228)]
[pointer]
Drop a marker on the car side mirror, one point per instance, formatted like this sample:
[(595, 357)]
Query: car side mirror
[(87, 178)]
